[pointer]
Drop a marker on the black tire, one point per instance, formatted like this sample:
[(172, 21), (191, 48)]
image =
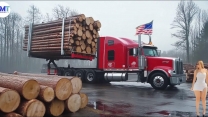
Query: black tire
[(60, 71), (79, 73), (90, 76), (68, 73), (159, 81)]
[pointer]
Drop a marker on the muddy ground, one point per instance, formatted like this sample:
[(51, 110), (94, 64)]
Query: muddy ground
[(137, 99)]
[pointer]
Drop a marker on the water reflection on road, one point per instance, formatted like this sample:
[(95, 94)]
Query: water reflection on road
[(137, 99)]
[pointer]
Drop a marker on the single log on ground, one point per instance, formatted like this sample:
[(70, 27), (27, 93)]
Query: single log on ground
[(84, 99), (76, 82), (31, 108), (12, 114), (9, 100), (55, 108), (73, 103), (28, 88), (46, 93), (62, 86)]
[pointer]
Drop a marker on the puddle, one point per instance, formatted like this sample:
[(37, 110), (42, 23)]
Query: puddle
[(163, 112), (164, 103), (173, 113), (113, 109)]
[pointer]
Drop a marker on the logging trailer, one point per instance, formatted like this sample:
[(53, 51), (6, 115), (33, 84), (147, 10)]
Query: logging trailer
[(116, 58)]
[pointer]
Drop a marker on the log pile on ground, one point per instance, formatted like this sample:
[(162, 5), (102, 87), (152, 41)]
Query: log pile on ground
[(80, 35), (33, 95), (189, 70)]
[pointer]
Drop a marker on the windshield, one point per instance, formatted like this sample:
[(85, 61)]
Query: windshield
[(150, 52)]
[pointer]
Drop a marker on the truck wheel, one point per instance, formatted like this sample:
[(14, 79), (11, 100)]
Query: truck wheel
[(79, 73), (159, 81), (68, 73), (90, 76)]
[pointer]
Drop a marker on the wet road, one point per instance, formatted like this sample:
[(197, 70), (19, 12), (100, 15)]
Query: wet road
[(138, 99)]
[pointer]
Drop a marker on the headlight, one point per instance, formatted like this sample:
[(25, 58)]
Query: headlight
[(171, 71)]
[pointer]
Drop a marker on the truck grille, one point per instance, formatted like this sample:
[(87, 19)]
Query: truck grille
[(179, 67)]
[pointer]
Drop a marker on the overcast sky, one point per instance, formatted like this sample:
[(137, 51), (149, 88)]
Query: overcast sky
[(119, 18)]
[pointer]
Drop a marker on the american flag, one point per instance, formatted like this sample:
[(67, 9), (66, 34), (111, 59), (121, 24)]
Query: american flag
[(145, 29)]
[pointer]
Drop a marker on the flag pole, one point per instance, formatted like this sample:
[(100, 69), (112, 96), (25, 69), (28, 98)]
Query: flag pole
[(150, 40)]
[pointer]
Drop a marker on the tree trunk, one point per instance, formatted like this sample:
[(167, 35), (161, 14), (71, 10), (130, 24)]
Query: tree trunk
[(9, 100), (73, 103), (61, 86), (55, 108), (76, 84), (31, 108), (75, 81), (28, 88), (46, 94)]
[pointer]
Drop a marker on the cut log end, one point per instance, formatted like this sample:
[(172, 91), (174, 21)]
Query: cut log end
[(31, 89), (9, 100), (73, 103), (12, 114), (76, 85), (56, 107), (48, 94), (36, 109), (84, 99), (63, 89)]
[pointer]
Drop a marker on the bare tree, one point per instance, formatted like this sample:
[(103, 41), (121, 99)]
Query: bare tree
[(183, 20), (47, 18), (34, 14), (61, 11)]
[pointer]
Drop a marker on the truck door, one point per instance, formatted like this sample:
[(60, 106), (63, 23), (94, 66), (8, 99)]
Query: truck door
[(132, 59)]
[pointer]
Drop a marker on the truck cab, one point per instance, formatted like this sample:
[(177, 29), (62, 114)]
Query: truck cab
[(121, 56)]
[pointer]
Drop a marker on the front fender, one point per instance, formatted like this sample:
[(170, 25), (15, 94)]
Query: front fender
[(163, 69)]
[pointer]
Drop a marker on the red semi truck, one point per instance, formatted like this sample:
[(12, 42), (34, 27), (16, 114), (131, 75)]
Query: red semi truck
[(118, 57)]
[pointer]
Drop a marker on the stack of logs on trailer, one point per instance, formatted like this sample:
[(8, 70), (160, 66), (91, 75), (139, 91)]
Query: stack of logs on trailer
[(189, 70), (79, 34), (32, 95)]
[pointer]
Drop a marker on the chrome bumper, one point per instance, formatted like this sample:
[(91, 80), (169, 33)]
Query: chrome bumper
[(178, 79)]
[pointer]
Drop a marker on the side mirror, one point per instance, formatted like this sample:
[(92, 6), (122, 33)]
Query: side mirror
[(159, 52)]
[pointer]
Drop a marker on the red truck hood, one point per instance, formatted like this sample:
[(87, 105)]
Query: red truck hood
[(164, 63)]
